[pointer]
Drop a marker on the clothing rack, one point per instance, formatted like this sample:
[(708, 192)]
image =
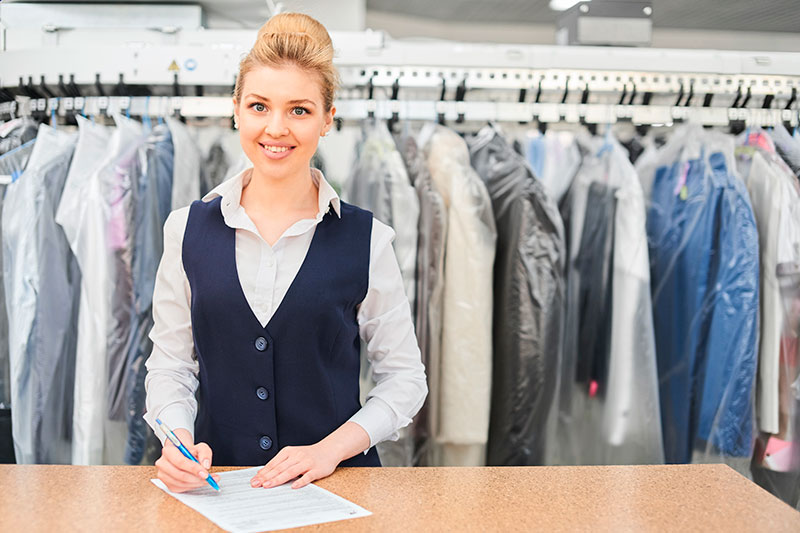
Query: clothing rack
[(415, 80)]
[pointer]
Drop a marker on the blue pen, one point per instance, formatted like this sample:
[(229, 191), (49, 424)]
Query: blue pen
[(178, 444)]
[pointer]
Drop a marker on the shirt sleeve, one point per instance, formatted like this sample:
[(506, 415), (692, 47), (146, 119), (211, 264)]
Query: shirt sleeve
[(172, 367), (386, 326)]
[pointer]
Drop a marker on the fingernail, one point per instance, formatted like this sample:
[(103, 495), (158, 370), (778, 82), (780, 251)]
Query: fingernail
[(202, 474), (207, 463), (255, 482), (267, 484)]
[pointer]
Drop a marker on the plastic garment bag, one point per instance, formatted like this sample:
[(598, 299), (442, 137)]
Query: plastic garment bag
[(186, 171), (554, 158), (12, 164), (153, 182), (787, 147), (430, 287), (466, 352), (41, 280), (85, 215), (380, 183), (609, 405), (774, 193), (17, 132), (528, 302), (704, 259)]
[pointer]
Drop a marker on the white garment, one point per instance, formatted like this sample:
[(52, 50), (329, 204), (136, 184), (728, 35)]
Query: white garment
[(775, 201), (265, 273), (186, 168), (84, 214), (466, 355)]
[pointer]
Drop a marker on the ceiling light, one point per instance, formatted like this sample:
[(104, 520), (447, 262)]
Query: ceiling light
[(563, 5)]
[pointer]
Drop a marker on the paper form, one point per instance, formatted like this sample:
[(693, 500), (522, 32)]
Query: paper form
[(240, 508)]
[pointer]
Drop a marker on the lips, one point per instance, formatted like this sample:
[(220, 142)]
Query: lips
[(276, 150)]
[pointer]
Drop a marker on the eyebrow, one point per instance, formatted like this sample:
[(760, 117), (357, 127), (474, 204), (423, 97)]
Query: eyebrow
[(292, 102)]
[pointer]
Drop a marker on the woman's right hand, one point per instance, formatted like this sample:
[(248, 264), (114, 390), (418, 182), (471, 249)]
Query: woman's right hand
[(180, 473)]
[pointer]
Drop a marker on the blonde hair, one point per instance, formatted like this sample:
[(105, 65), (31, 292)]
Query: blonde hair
[(293, 38)]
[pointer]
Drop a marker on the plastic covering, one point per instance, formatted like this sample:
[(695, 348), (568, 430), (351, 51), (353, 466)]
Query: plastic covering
[(430, 289), (41, 284), (609, 405), (704, 259), (85, 214), (554, 158), (528, 302), (380, 184), (152, 184), (12, 163), (466, 350), (775, 197)]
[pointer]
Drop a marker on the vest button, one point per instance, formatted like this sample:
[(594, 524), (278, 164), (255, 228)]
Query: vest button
[(262, 393), (265, 442), (261, 344)]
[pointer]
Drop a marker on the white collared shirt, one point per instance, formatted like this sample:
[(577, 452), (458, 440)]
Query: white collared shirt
[(265, 272)]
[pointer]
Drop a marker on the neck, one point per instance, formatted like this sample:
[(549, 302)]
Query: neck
[(281, 195)]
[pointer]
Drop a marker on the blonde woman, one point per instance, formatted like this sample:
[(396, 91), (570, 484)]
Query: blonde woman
[(265, 289)]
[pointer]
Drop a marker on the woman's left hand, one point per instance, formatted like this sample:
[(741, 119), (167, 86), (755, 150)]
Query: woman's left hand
[(310, 463)]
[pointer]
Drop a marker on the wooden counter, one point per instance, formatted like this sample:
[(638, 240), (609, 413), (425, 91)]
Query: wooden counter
[(618, 498)]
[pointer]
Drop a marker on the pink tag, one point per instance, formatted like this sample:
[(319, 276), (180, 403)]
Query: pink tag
[(682, 180), (593, 386)]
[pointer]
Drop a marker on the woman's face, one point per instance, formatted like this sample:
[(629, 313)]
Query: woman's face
[(281, 117)]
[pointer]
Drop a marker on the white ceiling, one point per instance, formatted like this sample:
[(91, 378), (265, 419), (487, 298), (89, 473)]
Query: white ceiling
[(733, 15)]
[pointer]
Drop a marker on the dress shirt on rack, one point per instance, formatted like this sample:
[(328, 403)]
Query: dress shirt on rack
[(41, 285), (466, 357), (430, 286), (610, 415), (152, 183), (528, 310), (186, 171)]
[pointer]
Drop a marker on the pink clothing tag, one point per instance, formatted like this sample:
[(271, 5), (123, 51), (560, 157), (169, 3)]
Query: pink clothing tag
[(593, 386), (682, 180)]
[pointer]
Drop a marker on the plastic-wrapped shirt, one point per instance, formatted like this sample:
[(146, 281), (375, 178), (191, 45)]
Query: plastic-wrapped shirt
[(466, 357), (41, 280), (84, 213), (430, 287), (528, 302), (618, 422), (12, 163), (704, 266)]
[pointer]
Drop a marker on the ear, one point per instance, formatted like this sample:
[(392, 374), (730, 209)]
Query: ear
[(328, 121), (235, 111)]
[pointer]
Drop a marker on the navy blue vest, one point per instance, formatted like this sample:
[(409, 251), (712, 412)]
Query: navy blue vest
[(295, 381)]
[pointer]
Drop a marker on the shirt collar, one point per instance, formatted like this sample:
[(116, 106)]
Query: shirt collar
[(231, 192)]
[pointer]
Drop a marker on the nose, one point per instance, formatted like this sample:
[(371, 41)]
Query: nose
[(276, 125)]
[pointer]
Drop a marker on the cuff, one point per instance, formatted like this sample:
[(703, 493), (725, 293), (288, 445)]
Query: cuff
[(175, 416), (376, 417)]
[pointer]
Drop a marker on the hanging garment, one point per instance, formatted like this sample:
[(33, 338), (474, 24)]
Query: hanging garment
[(85, 214), (788, 147), (775, 200), (554, 158), (121, 201), (153, 182), (186, 171), (17, 132), (704, 266), (528, 310), (12, 164), (611, 415), (380, 184), (41, 280), (466, 356), (430, 287)]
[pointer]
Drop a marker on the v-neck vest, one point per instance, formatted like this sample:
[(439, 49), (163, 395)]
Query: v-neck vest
[(294, 381)]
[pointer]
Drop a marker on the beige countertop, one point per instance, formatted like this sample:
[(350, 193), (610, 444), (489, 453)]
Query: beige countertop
[(596, 498)]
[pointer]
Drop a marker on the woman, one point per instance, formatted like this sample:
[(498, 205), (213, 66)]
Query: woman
[(264, 289)]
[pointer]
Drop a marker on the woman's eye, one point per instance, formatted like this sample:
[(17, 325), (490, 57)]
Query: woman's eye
[(299, 111), (258, 106)]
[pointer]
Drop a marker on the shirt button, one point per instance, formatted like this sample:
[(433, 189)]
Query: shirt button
[(265, 442), (262, 393), (261, 344), (270, 262)]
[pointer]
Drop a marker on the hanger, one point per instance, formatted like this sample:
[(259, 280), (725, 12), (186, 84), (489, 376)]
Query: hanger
[(440, 114), (395, 115)]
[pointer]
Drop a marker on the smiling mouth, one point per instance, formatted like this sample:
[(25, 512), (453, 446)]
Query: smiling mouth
[(276, 149)]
